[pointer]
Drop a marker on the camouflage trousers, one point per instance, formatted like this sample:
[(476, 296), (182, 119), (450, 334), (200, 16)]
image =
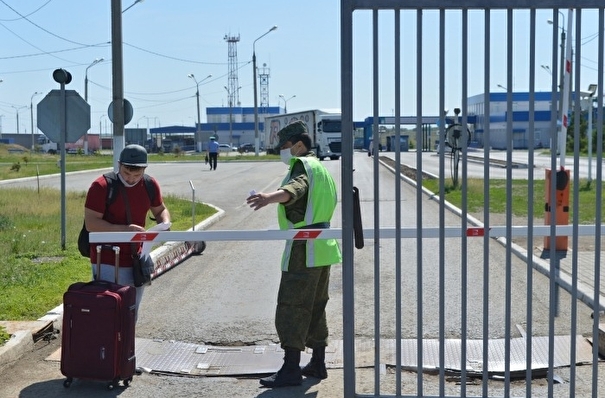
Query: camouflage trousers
[(300, 318)]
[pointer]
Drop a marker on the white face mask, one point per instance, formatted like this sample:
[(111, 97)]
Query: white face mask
[(285, 155), (127, 185)]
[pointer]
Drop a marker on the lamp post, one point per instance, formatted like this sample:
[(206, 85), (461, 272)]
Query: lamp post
[(562, 71), (592, 88), (31, 107), (17, 110), (286, 101), (502, 87), (546, 68), (96, 61), (256, 143), (198, 132), (100, 123)]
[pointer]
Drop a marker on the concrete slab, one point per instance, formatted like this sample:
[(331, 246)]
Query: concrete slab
[(179, 358)]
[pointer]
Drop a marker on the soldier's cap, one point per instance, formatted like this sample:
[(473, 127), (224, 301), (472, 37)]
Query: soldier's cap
[(291, 130), (134, 156)]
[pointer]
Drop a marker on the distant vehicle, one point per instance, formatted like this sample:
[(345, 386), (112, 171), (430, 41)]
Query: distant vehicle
[(247, 147), (46, 145), (324, 128), (225, 148)]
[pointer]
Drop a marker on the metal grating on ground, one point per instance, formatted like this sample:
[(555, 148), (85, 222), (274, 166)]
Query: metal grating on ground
[(163, 356)]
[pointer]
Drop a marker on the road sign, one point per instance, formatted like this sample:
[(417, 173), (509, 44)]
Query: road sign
[(77, 116), (128, 111)]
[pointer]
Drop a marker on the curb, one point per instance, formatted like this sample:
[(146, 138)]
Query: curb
[(169, 255), (20, 342)]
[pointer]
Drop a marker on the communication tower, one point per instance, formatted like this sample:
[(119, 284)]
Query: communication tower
[(263, 75), (233, 80)]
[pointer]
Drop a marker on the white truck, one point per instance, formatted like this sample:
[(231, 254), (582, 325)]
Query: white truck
[(46, 145), (324, 128)]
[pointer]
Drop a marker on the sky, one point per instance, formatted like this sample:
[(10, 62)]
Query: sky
[(166, 40)]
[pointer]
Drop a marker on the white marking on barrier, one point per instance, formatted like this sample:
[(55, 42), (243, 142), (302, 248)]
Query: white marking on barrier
[(336, 233)]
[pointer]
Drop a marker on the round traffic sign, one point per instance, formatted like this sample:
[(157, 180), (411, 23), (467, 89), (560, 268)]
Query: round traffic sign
[(128, 111)]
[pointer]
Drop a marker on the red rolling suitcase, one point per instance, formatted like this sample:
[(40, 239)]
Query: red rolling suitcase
[(98, 335)]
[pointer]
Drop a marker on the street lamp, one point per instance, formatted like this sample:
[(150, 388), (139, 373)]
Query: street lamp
[(96, 61), (256, 143), (562, 71), (139, 119), (31, 107), (547, 69), (17, 110), (132, 5), (286, 101), (502, 87), (592, 88), (198, 132)]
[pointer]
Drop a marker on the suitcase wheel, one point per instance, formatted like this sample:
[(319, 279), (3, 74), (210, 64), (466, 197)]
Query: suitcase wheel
[(67, 382)]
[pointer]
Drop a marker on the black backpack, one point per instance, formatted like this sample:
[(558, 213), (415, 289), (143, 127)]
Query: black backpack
[(113, 183)]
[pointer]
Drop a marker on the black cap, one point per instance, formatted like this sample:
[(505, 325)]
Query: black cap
[(134, 155)]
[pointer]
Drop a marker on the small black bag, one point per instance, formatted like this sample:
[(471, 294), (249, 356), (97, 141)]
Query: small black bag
[(84, 242), (142, 268)]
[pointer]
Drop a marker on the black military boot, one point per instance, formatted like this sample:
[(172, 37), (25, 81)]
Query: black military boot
[(317, 366), (290, 373)]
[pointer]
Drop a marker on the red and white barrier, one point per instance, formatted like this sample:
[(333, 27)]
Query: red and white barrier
[(336, 233)]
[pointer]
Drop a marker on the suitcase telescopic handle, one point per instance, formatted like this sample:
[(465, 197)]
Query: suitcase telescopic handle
[(116, 250)]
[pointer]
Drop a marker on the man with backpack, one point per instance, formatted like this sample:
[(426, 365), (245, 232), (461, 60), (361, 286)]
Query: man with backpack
[(119, 202)]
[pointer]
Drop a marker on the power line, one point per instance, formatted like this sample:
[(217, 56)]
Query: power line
[(41, 28), (174, 58), (55, 51), (31, 13)]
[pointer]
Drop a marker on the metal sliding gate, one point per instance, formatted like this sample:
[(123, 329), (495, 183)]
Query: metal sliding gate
[(465, 307)]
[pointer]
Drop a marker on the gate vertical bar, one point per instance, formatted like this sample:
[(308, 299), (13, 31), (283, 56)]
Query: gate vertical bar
[(398, 279), (576, 205), (553, 302), (375, 147), (419, 234), (598, 215), (486, 195), (348, 272), (530, 202), (441, 199), (464, 205), (509, 196)]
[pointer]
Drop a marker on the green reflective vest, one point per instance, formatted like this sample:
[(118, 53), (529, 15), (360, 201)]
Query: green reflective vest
[(321, 202)]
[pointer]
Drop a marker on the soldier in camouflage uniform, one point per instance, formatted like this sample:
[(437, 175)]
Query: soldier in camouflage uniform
[(306, 199)]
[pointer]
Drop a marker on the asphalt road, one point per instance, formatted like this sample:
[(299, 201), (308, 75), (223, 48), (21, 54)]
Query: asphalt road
[(519, 158), (227, 295)]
